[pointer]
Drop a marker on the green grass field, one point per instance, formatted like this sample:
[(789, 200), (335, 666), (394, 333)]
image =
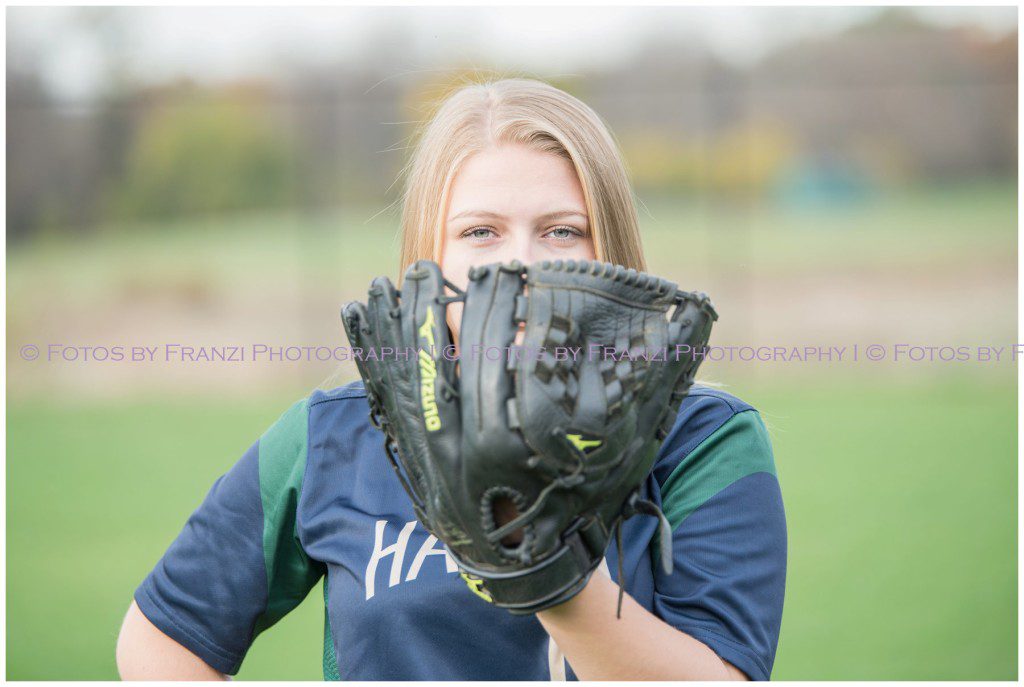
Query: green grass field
[(900, 501)]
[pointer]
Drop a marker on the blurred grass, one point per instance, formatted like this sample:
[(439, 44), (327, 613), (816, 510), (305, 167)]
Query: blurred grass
[(900, 503), (924, 227), (221, 253), (96, 493)]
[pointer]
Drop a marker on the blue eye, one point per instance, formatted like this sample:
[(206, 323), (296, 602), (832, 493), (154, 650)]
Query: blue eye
[(479, 233), (563, 233)]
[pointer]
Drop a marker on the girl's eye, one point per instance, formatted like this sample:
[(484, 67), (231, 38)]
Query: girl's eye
[(479, 233), (564, 233)]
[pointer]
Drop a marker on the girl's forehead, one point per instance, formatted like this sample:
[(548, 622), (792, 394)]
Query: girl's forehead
[(490, 181)]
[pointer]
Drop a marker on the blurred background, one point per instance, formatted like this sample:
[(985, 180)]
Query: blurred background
[(229, 177)]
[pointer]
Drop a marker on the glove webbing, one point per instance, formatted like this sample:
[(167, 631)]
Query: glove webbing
[(565, 482)]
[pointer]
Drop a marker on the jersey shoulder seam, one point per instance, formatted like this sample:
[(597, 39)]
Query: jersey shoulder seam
[(735, 404), (732, 415), (668, 463), (340, 394), (719, 426)]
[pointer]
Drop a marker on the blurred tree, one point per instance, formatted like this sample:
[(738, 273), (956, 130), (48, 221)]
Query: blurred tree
[(948, 96), (897, 98), (743, 160), (749, 159), (204, 152), (28, 167), (660, 163)]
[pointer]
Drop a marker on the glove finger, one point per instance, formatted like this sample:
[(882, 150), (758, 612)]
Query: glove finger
[(389, 361), (424, 320), (361, 338), (437, 413), (689, 331), (487, 332), (393, 366), (364, 339)]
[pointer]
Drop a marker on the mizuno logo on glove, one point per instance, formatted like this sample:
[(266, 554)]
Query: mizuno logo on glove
[(428, 376), (476, 585), (582, 444)]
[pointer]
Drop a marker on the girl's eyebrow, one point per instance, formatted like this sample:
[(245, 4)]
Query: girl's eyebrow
[(558, 214)]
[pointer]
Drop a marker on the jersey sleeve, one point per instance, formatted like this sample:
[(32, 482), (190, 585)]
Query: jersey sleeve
[(723, 500), (238, 566)]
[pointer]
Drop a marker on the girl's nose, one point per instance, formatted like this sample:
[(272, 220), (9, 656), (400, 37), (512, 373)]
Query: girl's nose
[(522, 247)]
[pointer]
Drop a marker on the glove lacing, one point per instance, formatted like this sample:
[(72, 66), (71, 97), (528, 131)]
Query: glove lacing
[(638, 506)]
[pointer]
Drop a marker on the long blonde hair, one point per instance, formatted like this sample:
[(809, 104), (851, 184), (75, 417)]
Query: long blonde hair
[(522, 111)]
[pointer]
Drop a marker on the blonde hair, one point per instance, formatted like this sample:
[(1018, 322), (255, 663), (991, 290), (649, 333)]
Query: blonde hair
[(539, 115), (522, 111)]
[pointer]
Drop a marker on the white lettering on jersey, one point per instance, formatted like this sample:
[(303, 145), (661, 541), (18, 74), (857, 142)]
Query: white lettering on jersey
[(428, 550), (396, 550)]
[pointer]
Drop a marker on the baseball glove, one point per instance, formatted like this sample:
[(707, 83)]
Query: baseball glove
[(524, 455)]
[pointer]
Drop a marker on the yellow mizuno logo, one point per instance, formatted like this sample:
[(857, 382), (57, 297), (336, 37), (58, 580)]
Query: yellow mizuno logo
[(428, 376), (427, 328), (476, 585), (582, 444)]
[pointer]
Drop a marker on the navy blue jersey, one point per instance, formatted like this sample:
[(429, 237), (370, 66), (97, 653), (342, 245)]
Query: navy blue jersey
[(315, 497)]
